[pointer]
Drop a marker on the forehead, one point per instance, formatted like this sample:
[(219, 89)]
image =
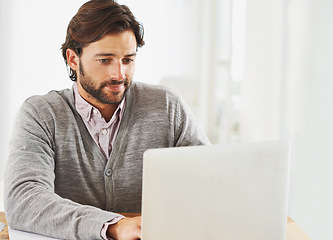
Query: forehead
[(119, 44)]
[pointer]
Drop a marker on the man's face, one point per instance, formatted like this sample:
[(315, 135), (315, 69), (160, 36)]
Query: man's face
[(106, 68)]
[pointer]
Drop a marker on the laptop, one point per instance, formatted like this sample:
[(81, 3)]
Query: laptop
[(232, 192)]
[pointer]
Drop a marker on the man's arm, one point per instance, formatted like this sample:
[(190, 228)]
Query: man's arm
[(188, 131), (31, 203), (126, 229)]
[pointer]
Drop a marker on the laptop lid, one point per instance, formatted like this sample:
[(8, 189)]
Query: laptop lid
[(234, 192)]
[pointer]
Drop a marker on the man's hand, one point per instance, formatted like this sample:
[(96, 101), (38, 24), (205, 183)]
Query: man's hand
[(126, 229)]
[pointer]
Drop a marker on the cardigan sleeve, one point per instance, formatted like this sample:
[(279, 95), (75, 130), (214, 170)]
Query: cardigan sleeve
[(31, 203), (187, 129)]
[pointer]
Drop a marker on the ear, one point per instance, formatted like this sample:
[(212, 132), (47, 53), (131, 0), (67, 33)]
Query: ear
[(72, 59)]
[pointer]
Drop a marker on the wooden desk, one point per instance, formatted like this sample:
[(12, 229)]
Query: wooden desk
[(294, 232), (4, 234)]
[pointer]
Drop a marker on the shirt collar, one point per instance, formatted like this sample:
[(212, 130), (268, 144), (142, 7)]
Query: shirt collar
[(85, 109)]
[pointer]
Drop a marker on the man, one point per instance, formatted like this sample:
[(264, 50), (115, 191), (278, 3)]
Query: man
[(76, 154)]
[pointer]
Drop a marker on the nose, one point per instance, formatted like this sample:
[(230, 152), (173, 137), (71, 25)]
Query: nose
[(116, 71)]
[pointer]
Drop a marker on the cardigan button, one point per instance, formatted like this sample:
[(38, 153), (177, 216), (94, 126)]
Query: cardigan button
[(108, 172)]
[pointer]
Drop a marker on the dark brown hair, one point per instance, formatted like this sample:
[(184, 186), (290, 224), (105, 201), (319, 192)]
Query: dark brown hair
[(93, 21)]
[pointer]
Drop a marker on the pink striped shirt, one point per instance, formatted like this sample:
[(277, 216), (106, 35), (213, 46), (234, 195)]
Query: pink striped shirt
[(104, 133)]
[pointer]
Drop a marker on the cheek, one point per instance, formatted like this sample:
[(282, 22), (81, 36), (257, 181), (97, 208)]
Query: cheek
[(98, 72), (130, 70)]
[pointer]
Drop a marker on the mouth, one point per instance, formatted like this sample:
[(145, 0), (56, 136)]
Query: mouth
[(116, 86)]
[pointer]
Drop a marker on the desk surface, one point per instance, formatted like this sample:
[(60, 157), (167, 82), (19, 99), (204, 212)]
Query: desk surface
[(4, 234), (294, 232)]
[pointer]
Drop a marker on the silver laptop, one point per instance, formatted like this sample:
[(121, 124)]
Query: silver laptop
[(232, 192)]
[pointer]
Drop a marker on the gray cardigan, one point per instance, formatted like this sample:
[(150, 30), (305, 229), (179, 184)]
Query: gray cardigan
[(58, 183)]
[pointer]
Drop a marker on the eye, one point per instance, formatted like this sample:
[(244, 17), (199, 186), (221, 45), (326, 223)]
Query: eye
[(104, 61), (127, 60)]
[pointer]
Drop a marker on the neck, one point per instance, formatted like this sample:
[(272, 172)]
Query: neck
[(107, 110)]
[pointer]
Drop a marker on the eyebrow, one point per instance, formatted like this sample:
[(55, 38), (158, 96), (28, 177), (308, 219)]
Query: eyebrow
[(113, 55)]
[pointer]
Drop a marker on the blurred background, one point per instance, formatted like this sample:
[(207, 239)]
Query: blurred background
[(250, 70)]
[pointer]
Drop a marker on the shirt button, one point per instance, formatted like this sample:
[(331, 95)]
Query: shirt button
[(95, 111), (108, 172), (104, 131)]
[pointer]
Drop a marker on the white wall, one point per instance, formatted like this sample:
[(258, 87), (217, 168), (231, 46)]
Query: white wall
[(310, 114), (261, 88), (287, 94)]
